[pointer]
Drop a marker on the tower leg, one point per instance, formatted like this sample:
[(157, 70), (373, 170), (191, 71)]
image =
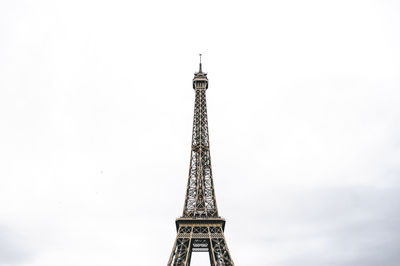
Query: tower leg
[(180, 255), (218, 248), (221, 252), (181, 252)]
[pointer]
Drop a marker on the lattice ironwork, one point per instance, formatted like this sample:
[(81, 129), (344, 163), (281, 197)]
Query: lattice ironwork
[(200, 229), (200, 238)]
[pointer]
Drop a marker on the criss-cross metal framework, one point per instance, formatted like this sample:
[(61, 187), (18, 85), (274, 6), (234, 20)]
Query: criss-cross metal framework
[(200, 229)]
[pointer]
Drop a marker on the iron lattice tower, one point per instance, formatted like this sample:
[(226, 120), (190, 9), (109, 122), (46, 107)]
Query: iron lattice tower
[(200, 229)]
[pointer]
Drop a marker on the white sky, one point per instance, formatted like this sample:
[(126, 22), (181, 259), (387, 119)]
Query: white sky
[(96, 109)]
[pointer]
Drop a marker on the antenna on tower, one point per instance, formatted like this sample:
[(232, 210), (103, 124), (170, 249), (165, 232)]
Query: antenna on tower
[(200, 64)]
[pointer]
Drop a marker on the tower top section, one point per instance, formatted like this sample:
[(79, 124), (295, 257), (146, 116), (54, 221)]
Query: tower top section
[(200, 80)]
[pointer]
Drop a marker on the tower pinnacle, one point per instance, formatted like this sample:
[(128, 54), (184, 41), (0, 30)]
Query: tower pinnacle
[(200, 71)]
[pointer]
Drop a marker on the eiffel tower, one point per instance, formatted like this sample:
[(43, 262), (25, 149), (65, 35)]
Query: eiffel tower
[(200, 229)]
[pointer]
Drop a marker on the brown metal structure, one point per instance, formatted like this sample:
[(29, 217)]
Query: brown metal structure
[(200, 229)]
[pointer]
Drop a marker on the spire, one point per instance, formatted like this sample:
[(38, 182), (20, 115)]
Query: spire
[(200, 64)]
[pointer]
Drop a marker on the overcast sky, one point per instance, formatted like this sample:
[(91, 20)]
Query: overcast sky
[(96, 107)]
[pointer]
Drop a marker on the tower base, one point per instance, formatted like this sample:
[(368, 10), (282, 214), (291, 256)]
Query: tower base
[(200, 235)]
